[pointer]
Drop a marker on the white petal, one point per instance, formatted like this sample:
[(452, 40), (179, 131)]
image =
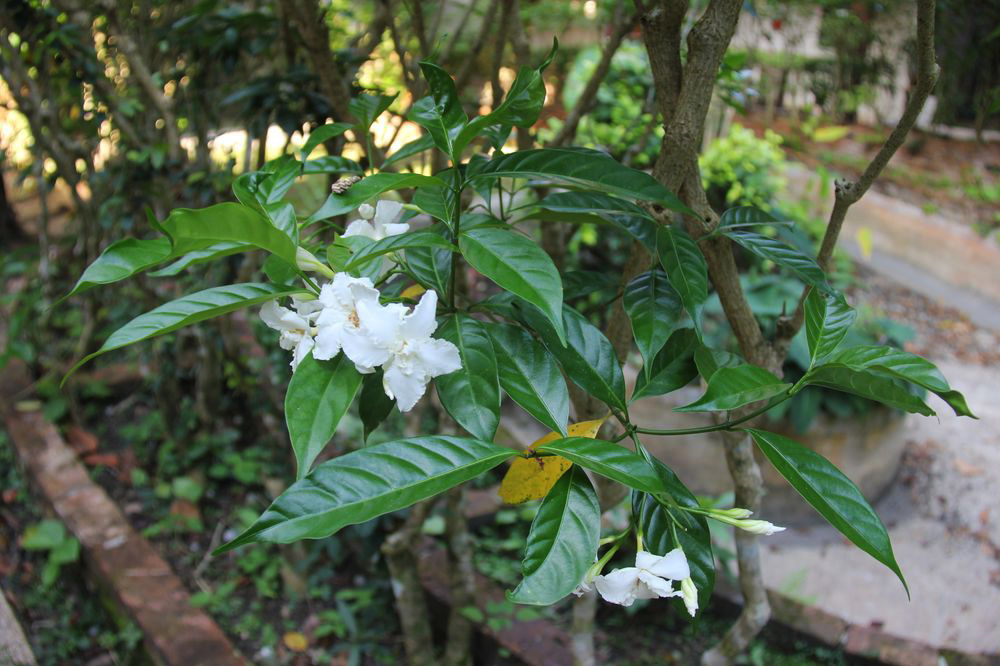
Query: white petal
[(360, 228), (421, 322), (382, 322), (388, 211), (328, 342), (281, 319), (436, 357), (653, 586), (619, 586), (673, 565), (403, 384), (394, 229), (362, 349), (690, 595), (301, 350)]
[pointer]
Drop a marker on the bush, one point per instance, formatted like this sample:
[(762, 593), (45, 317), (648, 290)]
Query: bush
[(741, 169)]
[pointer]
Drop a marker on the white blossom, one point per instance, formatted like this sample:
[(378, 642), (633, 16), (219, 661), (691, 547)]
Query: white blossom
[(338, 325), (401, 343), (296, 329), (690, 595), (650, 578), (378, 222)]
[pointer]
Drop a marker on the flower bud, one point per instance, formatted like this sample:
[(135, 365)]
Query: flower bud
[(762, 527), (735, 512), (366, 211), (690, 595), (307, 261)]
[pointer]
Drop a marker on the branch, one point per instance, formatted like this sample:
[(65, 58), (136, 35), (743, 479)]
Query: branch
[(846, 192), (622, 25), (459, 29), (485, 28)]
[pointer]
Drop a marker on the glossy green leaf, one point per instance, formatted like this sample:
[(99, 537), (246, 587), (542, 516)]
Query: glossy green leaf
[(562, 541), (903, 365), (282, 216), (654, 309), (744, 216), (280, 176), (318, 396), (786, 256), (590, 202), (609, 460), (367, 108), (672, 368), (867, 384), (827, 320), (583, 167), (331, 164), (431, 267), (730, 388), (369, 188), (656, 522), (471, 394), (587, 358), (710, 360), (210, 253), (419, 238), (321, 134), (361, 485), (530, 376), (520, 107), (123, 259), (440, 113), (197, 229), (517, 264), (685, 267), (187, 310), (832, 494)]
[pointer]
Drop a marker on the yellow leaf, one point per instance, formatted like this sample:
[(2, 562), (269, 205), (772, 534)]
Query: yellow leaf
[(865, 242), (531, 476), (413, 292), (295, 641)]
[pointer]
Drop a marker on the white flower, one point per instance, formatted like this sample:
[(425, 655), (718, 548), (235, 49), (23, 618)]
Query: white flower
[(650, 578), (296, 329), (338, 325), (379, 222), (690, 595), (403, 345), (307, 261)]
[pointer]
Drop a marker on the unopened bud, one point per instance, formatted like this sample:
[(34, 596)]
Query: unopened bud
[(690, 595), (762, 527), (307, 261), (366, 211), (735, 512)]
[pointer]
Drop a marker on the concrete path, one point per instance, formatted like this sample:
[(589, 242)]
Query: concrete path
[(939, 258), (944, 522)]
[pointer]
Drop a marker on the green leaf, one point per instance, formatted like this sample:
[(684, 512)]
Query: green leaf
[(369, 188), (188, 310), (710, 360), (331, 164), (903, 365), (562, 542), (210, 253), (367, 483), (582, 167), (730, 388), (520, 107), (831, 493), (654, 308), (685, 267), (318, 396), (367, 108), (530, 376), (656, 521), (320, 135), (587, 358), (471, 394), (123, 259), (785, 256), (518, 265), (827, 319), (744, 216), (590, 202), (415, 147), (607, 459), (197, 229), (280, 175), (672, 368), (419, 238), (867, 384), (282, 216), (431, 267), (440, 113), (374, 406)]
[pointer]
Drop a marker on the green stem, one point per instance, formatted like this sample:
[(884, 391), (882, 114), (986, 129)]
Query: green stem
[(726, 425), (456, 229)]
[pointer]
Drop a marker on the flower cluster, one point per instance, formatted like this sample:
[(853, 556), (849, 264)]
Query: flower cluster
[(650, 578), (348, 317)]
